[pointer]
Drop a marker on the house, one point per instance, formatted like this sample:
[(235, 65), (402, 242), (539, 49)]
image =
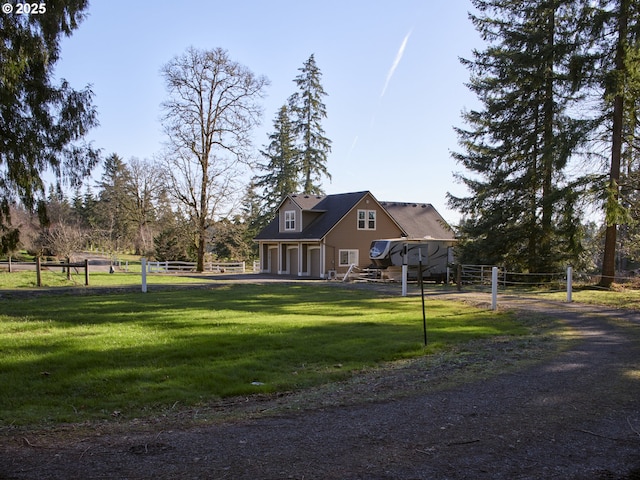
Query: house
[(321, 236)]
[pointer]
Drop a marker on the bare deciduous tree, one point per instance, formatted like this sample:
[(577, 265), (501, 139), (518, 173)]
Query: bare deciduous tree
[(212, 108), (64, 239), (144, 186)]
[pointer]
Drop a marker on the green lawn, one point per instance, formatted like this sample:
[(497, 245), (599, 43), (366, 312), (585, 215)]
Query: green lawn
[(621, 298), (57, 278), (66, 358)]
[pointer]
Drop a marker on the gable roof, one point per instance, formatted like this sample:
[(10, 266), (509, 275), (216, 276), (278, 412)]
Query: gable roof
[(416, 220), (419, 220), (304, 201), (333, 207)]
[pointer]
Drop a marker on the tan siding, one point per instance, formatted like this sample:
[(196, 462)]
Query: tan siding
[(286, 206), (347, 236)]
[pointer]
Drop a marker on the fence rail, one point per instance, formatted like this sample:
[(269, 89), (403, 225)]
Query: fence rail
[(479, 276), (181, 267), (493, 278)]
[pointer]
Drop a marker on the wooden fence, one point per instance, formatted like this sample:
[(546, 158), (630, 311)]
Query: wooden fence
[(67, 266), (181, 267)]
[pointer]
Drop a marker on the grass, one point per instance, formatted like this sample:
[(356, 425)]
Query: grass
[(617, 297), (133, 355), (56, 278)]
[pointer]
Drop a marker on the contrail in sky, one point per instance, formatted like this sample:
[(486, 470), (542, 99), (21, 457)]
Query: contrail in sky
[(396, 62)]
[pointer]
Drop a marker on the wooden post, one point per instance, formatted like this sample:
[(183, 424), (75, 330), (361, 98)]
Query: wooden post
[(86, 272), (9, 266), (38, 276), (68, 269)]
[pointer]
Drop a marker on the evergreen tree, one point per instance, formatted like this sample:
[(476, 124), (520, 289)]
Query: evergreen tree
[(254, 216), (308, 111), (522, 211), (617, 24), (43, 124), (174, 239), (282, 170), (113, 204)]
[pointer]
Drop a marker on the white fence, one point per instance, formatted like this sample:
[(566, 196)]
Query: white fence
[(182, 267), (497, 277)]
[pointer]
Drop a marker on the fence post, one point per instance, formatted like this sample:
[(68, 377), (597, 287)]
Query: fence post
[(494, 288), (38, 274), (144, 274), (569, 283), (86, 272)]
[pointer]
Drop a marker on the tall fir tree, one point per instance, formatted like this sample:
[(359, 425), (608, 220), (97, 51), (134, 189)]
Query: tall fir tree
[(522, 210), (308, 111), (629, 234), (113, 200), (282, 171), (43, 124), (617, 24)]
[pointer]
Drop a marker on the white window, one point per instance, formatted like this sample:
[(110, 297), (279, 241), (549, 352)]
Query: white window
[(366, 219), (290, 220), (347, 257)]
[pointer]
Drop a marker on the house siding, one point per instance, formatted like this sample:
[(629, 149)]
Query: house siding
[(326, 225), (346, 235), (290, 205)]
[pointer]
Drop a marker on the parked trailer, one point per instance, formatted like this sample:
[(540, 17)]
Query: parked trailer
[(434, 254)]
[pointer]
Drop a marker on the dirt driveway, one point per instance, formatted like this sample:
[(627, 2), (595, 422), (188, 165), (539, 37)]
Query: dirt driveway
[(575, 415)]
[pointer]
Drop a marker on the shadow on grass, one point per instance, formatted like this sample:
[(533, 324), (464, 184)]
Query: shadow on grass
[(77, 358)]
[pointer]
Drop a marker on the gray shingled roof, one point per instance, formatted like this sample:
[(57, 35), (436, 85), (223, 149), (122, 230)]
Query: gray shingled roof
[(334, 207), (419, 220)]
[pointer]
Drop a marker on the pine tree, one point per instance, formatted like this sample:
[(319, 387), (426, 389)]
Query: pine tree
[(308, 111), (254, 216), (518, 145), (620, 87), (113, 203), (282, 170)]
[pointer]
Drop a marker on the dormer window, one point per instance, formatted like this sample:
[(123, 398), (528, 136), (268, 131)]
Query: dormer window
[(366, 219), (290, 220)]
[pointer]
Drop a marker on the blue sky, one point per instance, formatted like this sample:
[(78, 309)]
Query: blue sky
[(390, 68)]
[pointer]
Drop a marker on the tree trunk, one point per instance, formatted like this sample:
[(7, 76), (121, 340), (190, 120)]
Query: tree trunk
[(548, 148), (202, 240), (609, 257)]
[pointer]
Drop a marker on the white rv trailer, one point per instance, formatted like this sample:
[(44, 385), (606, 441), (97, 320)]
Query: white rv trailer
[(434, 254)]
